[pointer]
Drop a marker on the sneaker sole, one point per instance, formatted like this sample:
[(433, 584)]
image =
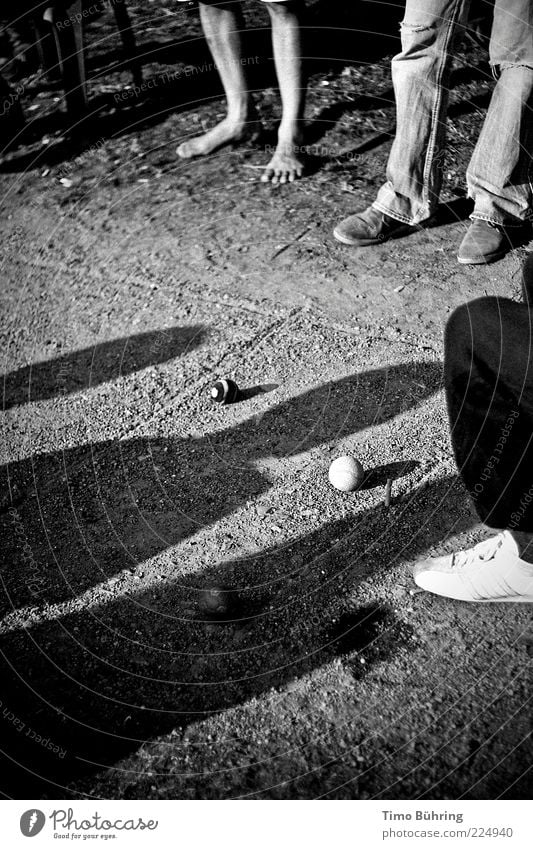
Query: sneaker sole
[(520, 599), (515, 599)]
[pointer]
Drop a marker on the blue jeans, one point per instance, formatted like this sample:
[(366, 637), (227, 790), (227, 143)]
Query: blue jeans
[(500, 169)]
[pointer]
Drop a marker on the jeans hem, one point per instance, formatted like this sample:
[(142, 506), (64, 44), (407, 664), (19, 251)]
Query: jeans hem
[(411, 222), (498, 67), (499, 222)]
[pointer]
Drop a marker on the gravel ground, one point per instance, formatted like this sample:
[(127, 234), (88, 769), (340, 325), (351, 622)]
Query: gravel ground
[(131, 282)]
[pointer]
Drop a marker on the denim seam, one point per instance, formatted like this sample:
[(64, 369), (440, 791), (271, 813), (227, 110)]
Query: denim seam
[(396, 215), (505, 66), (431, 145), (500, 222)]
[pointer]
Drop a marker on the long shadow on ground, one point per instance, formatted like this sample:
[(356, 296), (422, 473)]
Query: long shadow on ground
[(101, 363), (112, 505), (89, 513), (86, 688)]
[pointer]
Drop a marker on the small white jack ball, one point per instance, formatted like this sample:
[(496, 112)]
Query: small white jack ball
[(346, 473)]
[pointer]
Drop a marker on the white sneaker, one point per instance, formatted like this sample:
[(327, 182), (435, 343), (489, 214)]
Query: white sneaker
[(491, 571)]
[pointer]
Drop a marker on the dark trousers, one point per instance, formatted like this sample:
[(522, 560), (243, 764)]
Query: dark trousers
[(489, 389)]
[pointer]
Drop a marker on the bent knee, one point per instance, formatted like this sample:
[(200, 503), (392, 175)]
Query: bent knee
[(467, 320), (419, 38), (410, 27), (475, 322)]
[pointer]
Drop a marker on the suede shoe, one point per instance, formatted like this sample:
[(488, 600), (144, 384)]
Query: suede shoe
[(370, 227), (484, 242), (491, 571)]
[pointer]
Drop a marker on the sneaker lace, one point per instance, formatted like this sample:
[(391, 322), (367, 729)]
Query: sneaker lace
[(483, 551)]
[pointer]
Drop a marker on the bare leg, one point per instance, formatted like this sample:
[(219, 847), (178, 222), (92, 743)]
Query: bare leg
[(286, 165), (222, 24)]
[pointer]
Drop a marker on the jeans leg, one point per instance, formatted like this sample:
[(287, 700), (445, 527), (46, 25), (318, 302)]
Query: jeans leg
[(511, 41), (500, 172), (489, 391), (420, 76)]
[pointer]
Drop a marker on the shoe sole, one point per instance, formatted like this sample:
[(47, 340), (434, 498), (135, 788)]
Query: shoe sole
[(516, 599), (358, 243), (482, 260)]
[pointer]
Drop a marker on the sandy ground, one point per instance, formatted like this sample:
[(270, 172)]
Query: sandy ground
[(127, 289)]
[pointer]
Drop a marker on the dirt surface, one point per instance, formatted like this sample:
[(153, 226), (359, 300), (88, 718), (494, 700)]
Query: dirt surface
[(131, 281)]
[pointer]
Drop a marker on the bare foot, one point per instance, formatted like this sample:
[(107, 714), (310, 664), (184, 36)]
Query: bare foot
[(286, 165), (226, 132)]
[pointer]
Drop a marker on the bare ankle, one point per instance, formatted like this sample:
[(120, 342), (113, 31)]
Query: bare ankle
[(236, 122), (290, 133), (239, 113)]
